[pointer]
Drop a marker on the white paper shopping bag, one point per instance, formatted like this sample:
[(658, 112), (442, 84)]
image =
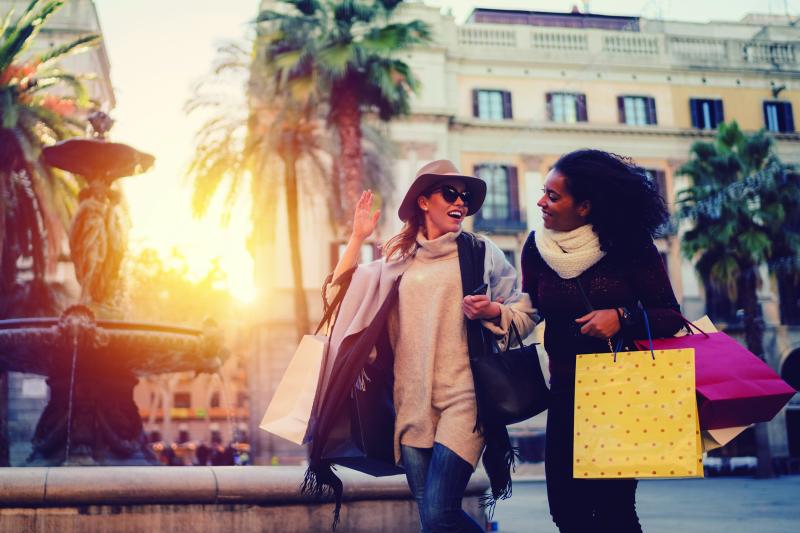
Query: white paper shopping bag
[(717, 438), (289, 410)]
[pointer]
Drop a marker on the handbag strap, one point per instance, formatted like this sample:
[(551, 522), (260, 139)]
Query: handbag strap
[(590, 308), (513, 327)]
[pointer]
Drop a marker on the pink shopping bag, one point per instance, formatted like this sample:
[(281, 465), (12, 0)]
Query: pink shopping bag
[(734, 387)]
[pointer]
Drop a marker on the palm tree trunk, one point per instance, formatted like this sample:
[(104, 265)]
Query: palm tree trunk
[(289, 157), (347, 122), (754, 335)]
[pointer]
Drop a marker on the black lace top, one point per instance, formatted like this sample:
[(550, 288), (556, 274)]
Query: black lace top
[(614, 281)]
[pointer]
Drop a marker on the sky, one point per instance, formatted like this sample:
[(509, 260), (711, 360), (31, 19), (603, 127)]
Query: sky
[(159, 48)]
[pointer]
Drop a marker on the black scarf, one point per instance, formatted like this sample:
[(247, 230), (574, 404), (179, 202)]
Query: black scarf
[(499, 456)]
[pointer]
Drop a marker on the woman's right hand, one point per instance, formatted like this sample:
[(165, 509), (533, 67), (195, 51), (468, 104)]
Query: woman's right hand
[(364, 222)]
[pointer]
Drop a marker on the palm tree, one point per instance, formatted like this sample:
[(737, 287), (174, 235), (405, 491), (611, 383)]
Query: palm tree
[(239, 144), (738, 203), (278, 127), (36, 203), (346, 50)]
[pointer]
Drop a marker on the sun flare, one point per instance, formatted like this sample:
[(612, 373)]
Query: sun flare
[(164, 221)]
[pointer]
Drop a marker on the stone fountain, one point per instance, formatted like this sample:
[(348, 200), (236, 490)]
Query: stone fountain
[(92, 357)]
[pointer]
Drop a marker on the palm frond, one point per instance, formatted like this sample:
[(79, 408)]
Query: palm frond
[(24, 30), (77, 46), (334, 59), (74, 82)]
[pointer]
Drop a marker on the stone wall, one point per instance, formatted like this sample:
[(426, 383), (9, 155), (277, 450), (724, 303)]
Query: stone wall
[(208, 499)]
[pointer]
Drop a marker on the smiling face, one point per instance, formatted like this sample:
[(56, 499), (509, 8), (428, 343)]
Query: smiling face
[(560, 212), (442, 216)]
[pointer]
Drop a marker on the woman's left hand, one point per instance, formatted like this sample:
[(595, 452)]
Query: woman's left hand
[(480, 307), (602, 323)]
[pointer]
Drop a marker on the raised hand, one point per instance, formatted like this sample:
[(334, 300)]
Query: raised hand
[(364, 222)]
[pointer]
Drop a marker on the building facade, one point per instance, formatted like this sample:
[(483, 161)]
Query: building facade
[(507, 92)]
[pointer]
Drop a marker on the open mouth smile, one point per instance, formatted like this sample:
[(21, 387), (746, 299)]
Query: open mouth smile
[(456, 214)]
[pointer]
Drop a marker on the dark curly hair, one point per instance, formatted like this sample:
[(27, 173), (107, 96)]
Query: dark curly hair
[(627, 210)]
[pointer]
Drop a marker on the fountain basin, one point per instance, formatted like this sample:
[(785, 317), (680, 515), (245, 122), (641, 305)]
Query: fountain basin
[(39, 345), (92, 367)]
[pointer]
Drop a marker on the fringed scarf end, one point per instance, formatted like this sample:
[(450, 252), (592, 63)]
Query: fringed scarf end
[(320, 482)]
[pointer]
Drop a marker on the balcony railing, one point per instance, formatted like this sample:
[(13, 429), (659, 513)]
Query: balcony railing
[(603, 46)]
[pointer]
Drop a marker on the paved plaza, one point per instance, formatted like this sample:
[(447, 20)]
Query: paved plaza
[(724, 504)]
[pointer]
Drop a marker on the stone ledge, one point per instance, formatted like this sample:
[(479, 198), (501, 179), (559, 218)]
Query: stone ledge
[(269, 485)]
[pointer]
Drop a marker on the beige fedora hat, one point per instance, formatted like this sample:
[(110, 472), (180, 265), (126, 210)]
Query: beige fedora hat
[(435, 172)]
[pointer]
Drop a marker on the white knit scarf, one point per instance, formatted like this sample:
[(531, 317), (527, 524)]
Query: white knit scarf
[(569, 253)]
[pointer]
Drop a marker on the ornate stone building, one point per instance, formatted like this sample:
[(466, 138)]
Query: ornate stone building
[(507, 92)]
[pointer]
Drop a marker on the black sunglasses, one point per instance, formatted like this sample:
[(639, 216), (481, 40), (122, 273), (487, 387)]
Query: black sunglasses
[(450, 193)]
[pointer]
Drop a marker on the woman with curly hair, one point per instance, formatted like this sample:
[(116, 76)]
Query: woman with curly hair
[(590, 273)]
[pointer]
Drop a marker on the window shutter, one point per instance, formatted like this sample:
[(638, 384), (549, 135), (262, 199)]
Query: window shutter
[(582, 113), (694, 111), (476, 171), (651, 110), (719, 113), (549, 101), (621, 109), (765, 107), (507, 104), (661, 181), (788, 119), (475, 109), (513, 193)]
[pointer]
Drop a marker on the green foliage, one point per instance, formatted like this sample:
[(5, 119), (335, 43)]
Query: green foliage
[(159, 289), (348, 39), (742, 205), (37, 202)]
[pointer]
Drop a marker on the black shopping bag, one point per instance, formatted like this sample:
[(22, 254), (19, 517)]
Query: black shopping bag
[(362, 437)]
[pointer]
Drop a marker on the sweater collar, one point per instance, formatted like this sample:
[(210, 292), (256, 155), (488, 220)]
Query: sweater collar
[(438, 248)]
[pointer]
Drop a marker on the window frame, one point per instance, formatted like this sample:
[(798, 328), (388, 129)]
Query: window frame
[(648, 112), (784, 116), (579, 102), (714, 117), (506, 108)]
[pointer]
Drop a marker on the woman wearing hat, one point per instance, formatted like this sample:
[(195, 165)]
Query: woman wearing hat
[(416, 297)]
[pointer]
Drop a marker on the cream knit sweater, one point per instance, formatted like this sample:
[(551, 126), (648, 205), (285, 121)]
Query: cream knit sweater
[(434, 393)]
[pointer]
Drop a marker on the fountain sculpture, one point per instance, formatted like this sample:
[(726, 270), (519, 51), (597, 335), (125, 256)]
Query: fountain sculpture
[(91, 357)]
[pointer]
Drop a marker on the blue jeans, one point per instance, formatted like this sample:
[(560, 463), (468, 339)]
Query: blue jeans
[(437, 478)]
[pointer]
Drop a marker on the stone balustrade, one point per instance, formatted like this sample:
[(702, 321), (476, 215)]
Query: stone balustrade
[(208, 499), (602, 46)]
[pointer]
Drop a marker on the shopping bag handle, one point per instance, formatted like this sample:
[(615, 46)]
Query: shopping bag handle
[(344, 282), (688, 324), (647, 327)]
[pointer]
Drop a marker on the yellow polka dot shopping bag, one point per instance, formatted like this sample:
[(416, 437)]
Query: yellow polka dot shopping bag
[(636, 415)]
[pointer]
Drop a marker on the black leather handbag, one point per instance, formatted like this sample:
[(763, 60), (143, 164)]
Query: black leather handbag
[(511, 381)]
